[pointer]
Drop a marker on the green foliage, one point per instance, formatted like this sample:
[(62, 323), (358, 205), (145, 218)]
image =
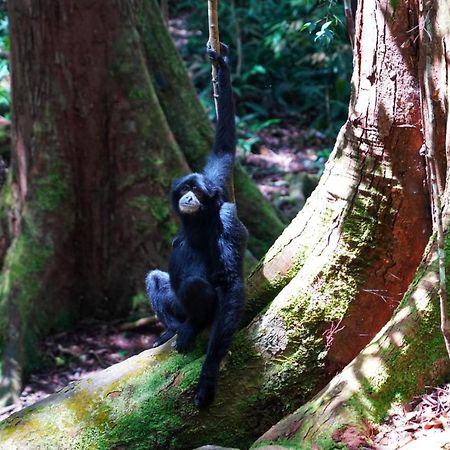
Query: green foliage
[(290, 58)]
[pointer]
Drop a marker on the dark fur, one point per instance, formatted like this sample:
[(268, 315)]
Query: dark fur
[(205, 285)]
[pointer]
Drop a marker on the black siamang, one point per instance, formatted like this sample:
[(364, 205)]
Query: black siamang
[(205, 284)]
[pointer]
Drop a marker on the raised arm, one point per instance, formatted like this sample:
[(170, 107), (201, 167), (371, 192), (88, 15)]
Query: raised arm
[(220, 162)]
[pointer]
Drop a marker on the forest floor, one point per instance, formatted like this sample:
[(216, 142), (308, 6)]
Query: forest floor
[(286, 164)]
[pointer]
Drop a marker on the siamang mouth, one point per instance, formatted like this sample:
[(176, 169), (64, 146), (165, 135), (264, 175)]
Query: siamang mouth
[(189, 209)]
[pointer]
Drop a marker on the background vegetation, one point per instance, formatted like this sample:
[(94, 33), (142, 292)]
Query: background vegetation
[(291, 59)]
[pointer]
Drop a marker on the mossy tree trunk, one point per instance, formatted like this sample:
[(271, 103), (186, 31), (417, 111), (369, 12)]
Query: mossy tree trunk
[(332, 280), (408, 354), (405, 357), (85, 212)]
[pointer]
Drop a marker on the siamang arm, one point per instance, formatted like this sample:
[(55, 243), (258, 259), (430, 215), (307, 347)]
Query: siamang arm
[(220, 162)]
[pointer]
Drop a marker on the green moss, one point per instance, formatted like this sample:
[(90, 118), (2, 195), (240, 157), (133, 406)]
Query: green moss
[(418, 361), (19, 282), (242, 352), (138, 300), (282, 444), (394, 4), (6, 197), (51, 191), (153, 214), (325, 301), (26, 261), (151, 409), (404, 372)]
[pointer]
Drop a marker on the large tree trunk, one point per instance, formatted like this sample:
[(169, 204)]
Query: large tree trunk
[(89, 134), (408, 354), (85, 212), (371, 199), (336, 273)]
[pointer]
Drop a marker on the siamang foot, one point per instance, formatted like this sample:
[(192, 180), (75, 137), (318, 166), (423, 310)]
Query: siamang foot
[(214, 57), (185, 339), (205, 394), (163, 338)]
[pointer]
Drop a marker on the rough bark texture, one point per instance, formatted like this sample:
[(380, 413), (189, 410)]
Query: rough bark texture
[(374, 182), (406, 356), (79, 211), (336, 274), (409, 353)]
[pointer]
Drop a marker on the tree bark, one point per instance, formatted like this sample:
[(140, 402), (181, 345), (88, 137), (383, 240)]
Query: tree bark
[(408, 354), (89, 134)]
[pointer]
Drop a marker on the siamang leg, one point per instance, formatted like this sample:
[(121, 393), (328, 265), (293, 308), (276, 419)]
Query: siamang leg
[(226, 322), (198, 298), (165, 304)]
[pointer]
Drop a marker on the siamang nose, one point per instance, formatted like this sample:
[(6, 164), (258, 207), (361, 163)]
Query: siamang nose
[(189, 197)]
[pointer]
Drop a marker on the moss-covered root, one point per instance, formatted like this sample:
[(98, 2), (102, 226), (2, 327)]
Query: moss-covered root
[(79, 416), (406, 355)]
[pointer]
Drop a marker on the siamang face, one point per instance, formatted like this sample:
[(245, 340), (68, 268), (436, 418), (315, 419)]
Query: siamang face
[(192, 194)]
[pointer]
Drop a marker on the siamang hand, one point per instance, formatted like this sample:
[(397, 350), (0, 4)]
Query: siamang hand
[(221, 59)]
